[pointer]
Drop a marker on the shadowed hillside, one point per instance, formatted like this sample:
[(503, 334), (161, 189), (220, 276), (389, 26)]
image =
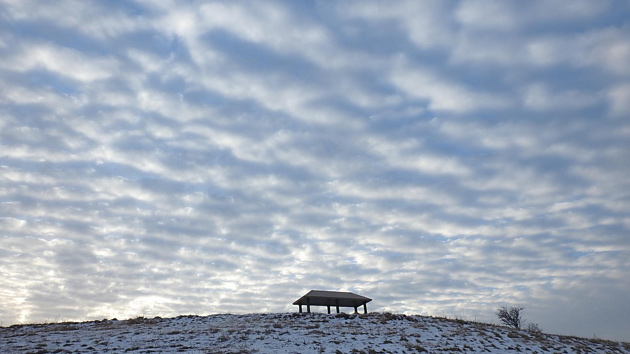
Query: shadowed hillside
[(290, 333)]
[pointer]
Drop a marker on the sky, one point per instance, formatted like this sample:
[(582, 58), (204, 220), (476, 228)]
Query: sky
[(443, 158)]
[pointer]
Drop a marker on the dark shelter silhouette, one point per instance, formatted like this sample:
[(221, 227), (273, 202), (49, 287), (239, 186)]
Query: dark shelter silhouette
[(332, 298)]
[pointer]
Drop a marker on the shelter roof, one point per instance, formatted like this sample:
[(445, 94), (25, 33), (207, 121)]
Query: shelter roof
[(332, 298)]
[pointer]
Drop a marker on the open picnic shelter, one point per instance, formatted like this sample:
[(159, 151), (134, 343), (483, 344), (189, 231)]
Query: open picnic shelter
[(332, 298)]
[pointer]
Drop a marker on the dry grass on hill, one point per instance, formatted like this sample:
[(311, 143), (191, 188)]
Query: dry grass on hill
[(290, 333)]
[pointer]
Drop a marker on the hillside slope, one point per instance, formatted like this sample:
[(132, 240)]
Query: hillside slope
[(289, 333)]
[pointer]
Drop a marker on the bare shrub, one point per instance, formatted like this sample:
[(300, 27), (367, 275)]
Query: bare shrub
[(511, 317), (533, 329)]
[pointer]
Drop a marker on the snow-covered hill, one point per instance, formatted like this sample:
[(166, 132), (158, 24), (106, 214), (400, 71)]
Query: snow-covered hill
[(290, 333)]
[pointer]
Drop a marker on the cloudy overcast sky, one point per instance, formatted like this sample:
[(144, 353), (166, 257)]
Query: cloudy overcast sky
[(195, 157)]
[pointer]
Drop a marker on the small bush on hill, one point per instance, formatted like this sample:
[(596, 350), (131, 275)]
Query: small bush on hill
[(511, 317)]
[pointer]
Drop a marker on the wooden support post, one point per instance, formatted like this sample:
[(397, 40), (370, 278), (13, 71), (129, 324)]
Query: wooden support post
[(355, 309), (308, 305), (328, 309), (300, 308), (337, 304), (365, 307)]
